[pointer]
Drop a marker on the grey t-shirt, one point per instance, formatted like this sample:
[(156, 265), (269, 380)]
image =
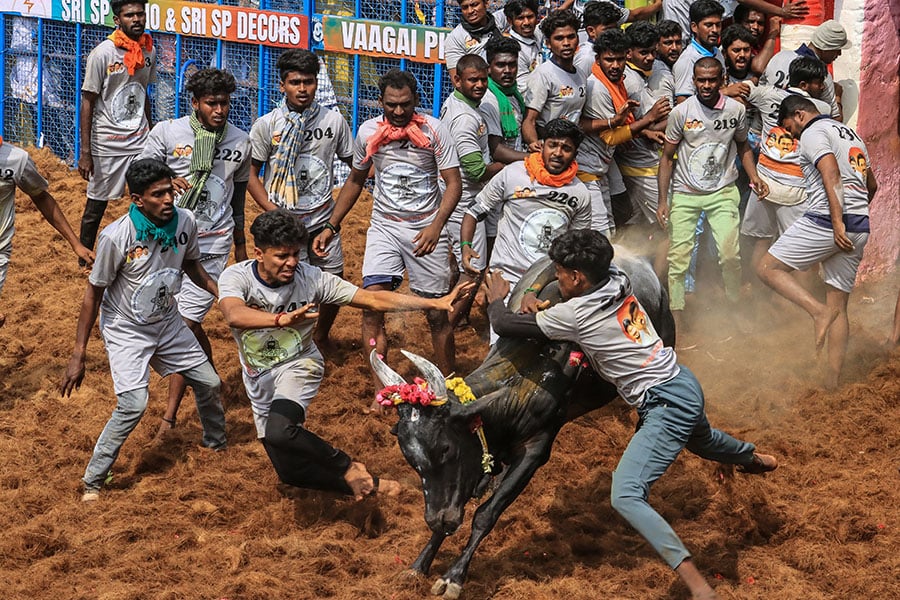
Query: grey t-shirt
[(470, 134), (141, 278), (491, 111), (638, 152), (595, 155), (17, 170), (585, 59), (458, 42), (120, 124), (530, 57), (777, 73), (555, 93), (683, 69), (661, 82), (532, 215), (613, 329), (705, 138), (324, 136), (172, 142), (825, 136), (406, 176)]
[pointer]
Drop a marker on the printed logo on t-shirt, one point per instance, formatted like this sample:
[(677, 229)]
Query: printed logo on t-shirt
[(153, 298), (858, 161), (471, 43), (115, 67), (566, 91), (694, 125), (183, 151), (706, 166), (212, 204), (539, 229), (313, 181), (634, 322), (407, 185), (524, 192), (781, 141), (127, 105), (266, 348), (137, 253)]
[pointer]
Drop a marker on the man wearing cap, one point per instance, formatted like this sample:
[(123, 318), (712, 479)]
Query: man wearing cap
[(826, 44)]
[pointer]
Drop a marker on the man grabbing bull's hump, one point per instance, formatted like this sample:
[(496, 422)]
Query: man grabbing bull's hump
[(600, 313)]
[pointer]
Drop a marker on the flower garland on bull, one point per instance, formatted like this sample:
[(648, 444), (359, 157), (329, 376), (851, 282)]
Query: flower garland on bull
[(419, 393)]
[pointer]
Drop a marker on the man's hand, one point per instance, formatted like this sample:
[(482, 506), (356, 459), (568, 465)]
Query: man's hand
[(468, 254), (774, 28), (794, 10), (657, 137), (85, 254), (85, 165), (181, 185), (307, 312), (623, 112), (320, 242), (497, 287), (736, 90), (840, 237), (759, 186), (662, 215), (531, 304), (426, 240), (535, 146), (660, 110), (74, 375), (456, 294)]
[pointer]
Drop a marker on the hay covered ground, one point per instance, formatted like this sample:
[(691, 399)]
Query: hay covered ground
[(178, 521)]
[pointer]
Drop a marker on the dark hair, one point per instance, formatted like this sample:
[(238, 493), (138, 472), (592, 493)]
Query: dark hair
[(708, 62), (277, 229), (701, 9), (514, 8), (398, 80), (559, 19), (584, 250), (642, 34), (792, 104), (611, 40), (471, 61), (668, 28), (116, 6), (806, 68), (210, 82), (500, 45), (734, 33), (144, 172), (560, 128), (742, 13), (299, 61), (601, 13)]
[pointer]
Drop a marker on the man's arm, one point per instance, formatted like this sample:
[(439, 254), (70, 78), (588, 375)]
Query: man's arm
[(257, 189), (240, 316), (748, 161), (90, 306), (645, 12), (871, 184), (503, 321), (86, 119), (761, 61), (193, 269), (664, 180), (426, 240), (385, 301), (529, 130), (834, 189), (238, 199), (54, 215), (348, 196), (792, 9), (502, 153)]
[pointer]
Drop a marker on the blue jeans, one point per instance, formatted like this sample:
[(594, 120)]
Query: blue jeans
[(130, 408), (671, 418)]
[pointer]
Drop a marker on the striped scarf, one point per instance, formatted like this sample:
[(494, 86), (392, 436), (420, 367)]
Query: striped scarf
[(283, 183), (205, 142)]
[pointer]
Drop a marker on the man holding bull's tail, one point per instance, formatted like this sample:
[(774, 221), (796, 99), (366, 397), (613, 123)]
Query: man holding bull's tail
[(271, 302), (600, 313)]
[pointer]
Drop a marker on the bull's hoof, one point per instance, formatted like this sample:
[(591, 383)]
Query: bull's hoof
[(446, 589), (410, 576)]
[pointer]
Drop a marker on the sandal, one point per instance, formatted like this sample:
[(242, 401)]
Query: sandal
[(759, 464)]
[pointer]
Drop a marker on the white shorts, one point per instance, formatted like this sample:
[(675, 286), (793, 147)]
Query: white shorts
[(168, 346), (763, 219), (643, 193), (601, 205), (297, 380), (616, 184), (333, 263), (108, 181), (193, 302), (389, 252), (479, 241), (805, 244)]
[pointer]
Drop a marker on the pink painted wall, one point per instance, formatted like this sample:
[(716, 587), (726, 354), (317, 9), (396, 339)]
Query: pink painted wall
[(878, 124)]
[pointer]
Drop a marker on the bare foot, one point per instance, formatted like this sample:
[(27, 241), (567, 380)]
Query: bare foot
[(831, 380), (823, 324), (389, 487), (359, 480)]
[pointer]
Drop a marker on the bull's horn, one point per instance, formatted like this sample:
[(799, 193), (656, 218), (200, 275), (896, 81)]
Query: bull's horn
[(432, 374), (385, 374)]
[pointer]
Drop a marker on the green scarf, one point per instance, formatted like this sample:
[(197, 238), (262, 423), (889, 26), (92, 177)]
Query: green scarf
[(148, 230), (205, 142), (508, 122)]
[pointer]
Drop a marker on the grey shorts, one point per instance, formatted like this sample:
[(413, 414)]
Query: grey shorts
[(333, 263), (297, 380), (389, 253), (767, 219), (167, 345), (643, 192), (601, 205), (193, 302), (616, 184), (108, 181), (805, 244)]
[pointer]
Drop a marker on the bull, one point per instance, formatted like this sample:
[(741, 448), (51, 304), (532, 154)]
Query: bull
[(525, 392)]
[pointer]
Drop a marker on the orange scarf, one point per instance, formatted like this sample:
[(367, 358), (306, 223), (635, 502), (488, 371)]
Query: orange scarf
[(134, 55), (616, 90), (387, 133), (534, 164)]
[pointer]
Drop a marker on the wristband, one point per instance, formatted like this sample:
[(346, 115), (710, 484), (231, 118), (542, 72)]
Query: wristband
[(169, 421), (608, 123), (464, 244), (333, 228), (529, 291), (278, 319)]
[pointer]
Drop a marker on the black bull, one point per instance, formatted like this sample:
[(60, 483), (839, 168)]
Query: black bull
[(526, 391)]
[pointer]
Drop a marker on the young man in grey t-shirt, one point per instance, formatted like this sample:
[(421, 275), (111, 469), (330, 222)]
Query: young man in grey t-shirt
[(115, 111), (141, 258)]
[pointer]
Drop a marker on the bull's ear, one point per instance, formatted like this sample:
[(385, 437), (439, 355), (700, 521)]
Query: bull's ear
[(431, 372), (385, 374)]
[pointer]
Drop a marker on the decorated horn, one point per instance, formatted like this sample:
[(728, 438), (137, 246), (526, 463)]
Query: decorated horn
[(385, 374), (432, 374)]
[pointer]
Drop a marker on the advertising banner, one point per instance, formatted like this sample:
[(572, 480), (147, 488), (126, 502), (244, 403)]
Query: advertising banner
[(384, 39)]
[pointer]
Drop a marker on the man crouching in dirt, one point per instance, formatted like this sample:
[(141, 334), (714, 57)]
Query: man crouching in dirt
[(140, 260), (271, 302)]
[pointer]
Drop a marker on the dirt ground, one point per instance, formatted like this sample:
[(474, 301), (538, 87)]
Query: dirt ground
[(178, 521)]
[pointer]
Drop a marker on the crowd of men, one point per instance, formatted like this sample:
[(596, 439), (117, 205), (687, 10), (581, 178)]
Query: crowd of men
[(563, 132)]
